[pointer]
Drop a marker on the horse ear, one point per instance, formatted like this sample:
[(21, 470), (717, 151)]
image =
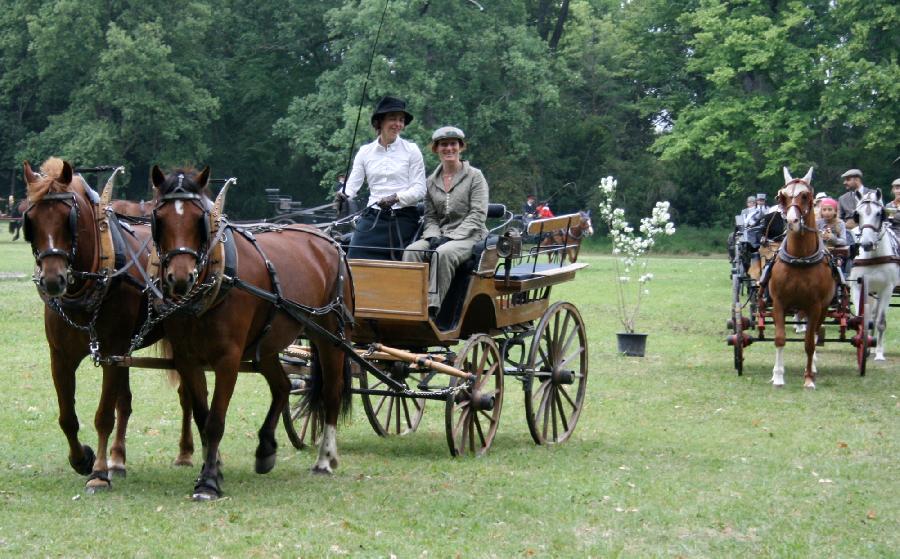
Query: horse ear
[(29, 174), (808, 177), (787, 175), (157, 176), (202, 178), (66, 176)]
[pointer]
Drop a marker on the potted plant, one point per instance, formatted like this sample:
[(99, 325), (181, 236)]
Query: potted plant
[(632, 253)]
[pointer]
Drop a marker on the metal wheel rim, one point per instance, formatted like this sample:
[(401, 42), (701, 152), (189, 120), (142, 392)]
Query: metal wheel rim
[(296, 418), (862, 349), (471, 431), (737, 327), (552, 350)]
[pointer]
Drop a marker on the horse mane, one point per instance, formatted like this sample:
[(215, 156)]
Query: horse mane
[(51, 171)]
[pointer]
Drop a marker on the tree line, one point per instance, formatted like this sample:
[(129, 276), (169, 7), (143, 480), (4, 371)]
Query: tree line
[(697, 101)]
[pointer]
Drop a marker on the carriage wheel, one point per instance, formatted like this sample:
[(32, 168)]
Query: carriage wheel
[(296, 417), (862, 330), (556, 378), (472, 415), (737, 326), (393, 415)]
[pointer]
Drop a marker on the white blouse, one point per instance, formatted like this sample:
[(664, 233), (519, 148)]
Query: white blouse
[(397, 169)]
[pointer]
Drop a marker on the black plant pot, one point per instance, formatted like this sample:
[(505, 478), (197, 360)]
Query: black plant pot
[(632, 344)]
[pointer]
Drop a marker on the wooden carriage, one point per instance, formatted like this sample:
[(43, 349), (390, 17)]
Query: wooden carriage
[(498, 308)]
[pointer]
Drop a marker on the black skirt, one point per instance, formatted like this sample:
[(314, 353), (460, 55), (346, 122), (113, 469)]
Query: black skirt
[(382, 235)]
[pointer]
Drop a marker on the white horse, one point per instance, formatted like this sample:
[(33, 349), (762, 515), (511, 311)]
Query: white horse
[(878, 261)]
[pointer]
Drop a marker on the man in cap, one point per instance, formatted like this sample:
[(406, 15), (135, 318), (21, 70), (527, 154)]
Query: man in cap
[(848, 200), (751, 206), (893, 208)]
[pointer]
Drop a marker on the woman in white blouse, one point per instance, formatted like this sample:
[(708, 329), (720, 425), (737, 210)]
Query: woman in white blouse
[(395, 172)]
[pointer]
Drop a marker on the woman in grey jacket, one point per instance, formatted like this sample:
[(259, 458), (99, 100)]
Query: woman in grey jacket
[(456, 203)]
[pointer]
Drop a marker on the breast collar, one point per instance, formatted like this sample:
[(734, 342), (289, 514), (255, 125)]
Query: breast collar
[(810, 260)]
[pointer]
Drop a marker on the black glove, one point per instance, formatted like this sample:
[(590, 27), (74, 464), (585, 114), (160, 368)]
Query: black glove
[(435, 242), (388, 201), (339, 200)]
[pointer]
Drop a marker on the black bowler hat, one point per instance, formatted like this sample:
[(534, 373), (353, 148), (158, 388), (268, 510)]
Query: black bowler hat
[(390, 104)]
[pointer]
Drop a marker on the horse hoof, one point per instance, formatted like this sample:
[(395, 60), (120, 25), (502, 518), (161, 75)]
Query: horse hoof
[(810, 386), (95, 486), (118, 471), (879, 358), (183, 461), (203, 496), (86, 465), (322, 470), (265, 465)]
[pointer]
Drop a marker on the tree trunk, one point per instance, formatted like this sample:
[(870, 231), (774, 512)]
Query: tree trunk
[(560, 21)]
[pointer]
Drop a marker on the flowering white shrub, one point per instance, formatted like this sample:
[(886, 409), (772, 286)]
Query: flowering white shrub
[(632, 250)]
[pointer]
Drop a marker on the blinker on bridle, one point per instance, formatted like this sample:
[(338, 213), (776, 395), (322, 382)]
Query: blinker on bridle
[(180, 193), (69, 199)]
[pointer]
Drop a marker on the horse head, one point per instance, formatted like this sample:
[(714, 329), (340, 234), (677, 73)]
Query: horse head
[(51, 224), (796, 200), (587, 227), (869, 216), (180, 223)]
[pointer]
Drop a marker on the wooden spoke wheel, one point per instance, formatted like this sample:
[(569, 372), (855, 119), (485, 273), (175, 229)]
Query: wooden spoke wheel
[(473, 413), (393, 415), (556, 378), (298, 424), (862, 329), (737, 326)]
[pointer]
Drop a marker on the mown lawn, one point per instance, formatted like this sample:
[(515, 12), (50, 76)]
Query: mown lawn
[(674, 455)]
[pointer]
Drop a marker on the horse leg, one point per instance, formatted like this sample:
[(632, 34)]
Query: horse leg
[(884, 300), (186, 441), (280, 387), (809, 377), (334, 371), (123, 413), (208, 486), (778, 369), (104, 422), (81, 457)]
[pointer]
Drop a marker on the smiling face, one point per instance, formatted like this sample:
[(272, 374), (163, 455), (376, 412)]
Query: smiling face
[(896, 191), (448, 150), (390, 127), (852, 183), (828, 212)]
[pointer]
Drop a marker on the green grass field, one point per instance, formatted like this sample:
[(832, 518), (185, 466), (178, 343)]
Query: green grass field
[(674, 455)]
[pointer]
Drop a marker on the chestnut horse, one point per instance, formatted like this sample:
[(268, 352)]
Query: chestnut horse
[(90, 307), (575, 235), (801, 277), (253, 316)]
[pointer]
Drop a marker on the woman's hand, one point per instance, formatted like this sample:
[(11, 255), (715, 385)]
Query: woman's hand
[(435, 242), (388, 201)]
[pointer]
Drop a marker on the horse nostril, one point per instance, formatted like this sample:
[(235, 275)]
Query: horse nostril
[(170, 278)]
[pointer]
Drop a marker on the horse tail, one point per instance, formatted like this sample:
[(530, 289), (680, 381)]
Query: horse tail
[(163, 348), (314, 399)]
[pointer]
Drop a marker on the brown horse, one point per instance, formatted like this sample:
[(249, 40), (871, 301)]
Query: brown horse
[(572, 242), (253, 316), (90, 307), (801, 278), (132, 209)]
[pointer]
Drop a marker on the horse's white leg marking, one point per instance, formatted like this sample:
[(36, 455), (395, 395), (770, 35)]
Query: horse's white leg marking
[(778, 369), (179, 207), (814, 359), (328, 459)]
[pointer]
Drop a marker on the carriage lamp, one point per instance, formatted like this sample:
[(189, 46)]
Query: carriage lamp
[(510, 244)]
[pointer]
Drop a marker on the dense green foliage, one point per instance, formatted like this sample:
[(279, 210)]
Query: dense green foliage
[(697, 101)]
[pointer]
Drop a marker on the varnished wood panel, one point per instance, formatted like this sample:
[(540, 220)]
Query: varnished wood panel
[(393, 290)]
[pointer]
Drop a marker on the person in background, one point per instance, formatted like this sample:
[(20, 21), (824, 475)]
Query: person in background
[(750, 207), (818, 200), (894, 216), (830, 225), (543, 210), (529, 208), (848, 200), (456, 205), (395, 172)]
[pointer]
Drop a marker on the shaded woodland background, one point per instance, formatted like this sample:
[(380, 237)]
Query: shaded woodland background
[(699, 102)]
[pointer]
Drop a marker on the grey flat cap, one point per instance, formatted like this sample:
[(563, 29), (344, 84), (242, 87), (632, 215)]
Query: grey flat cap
[(761, 196), (852, 173), (447, 132), (895, 183), (752, 198)]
